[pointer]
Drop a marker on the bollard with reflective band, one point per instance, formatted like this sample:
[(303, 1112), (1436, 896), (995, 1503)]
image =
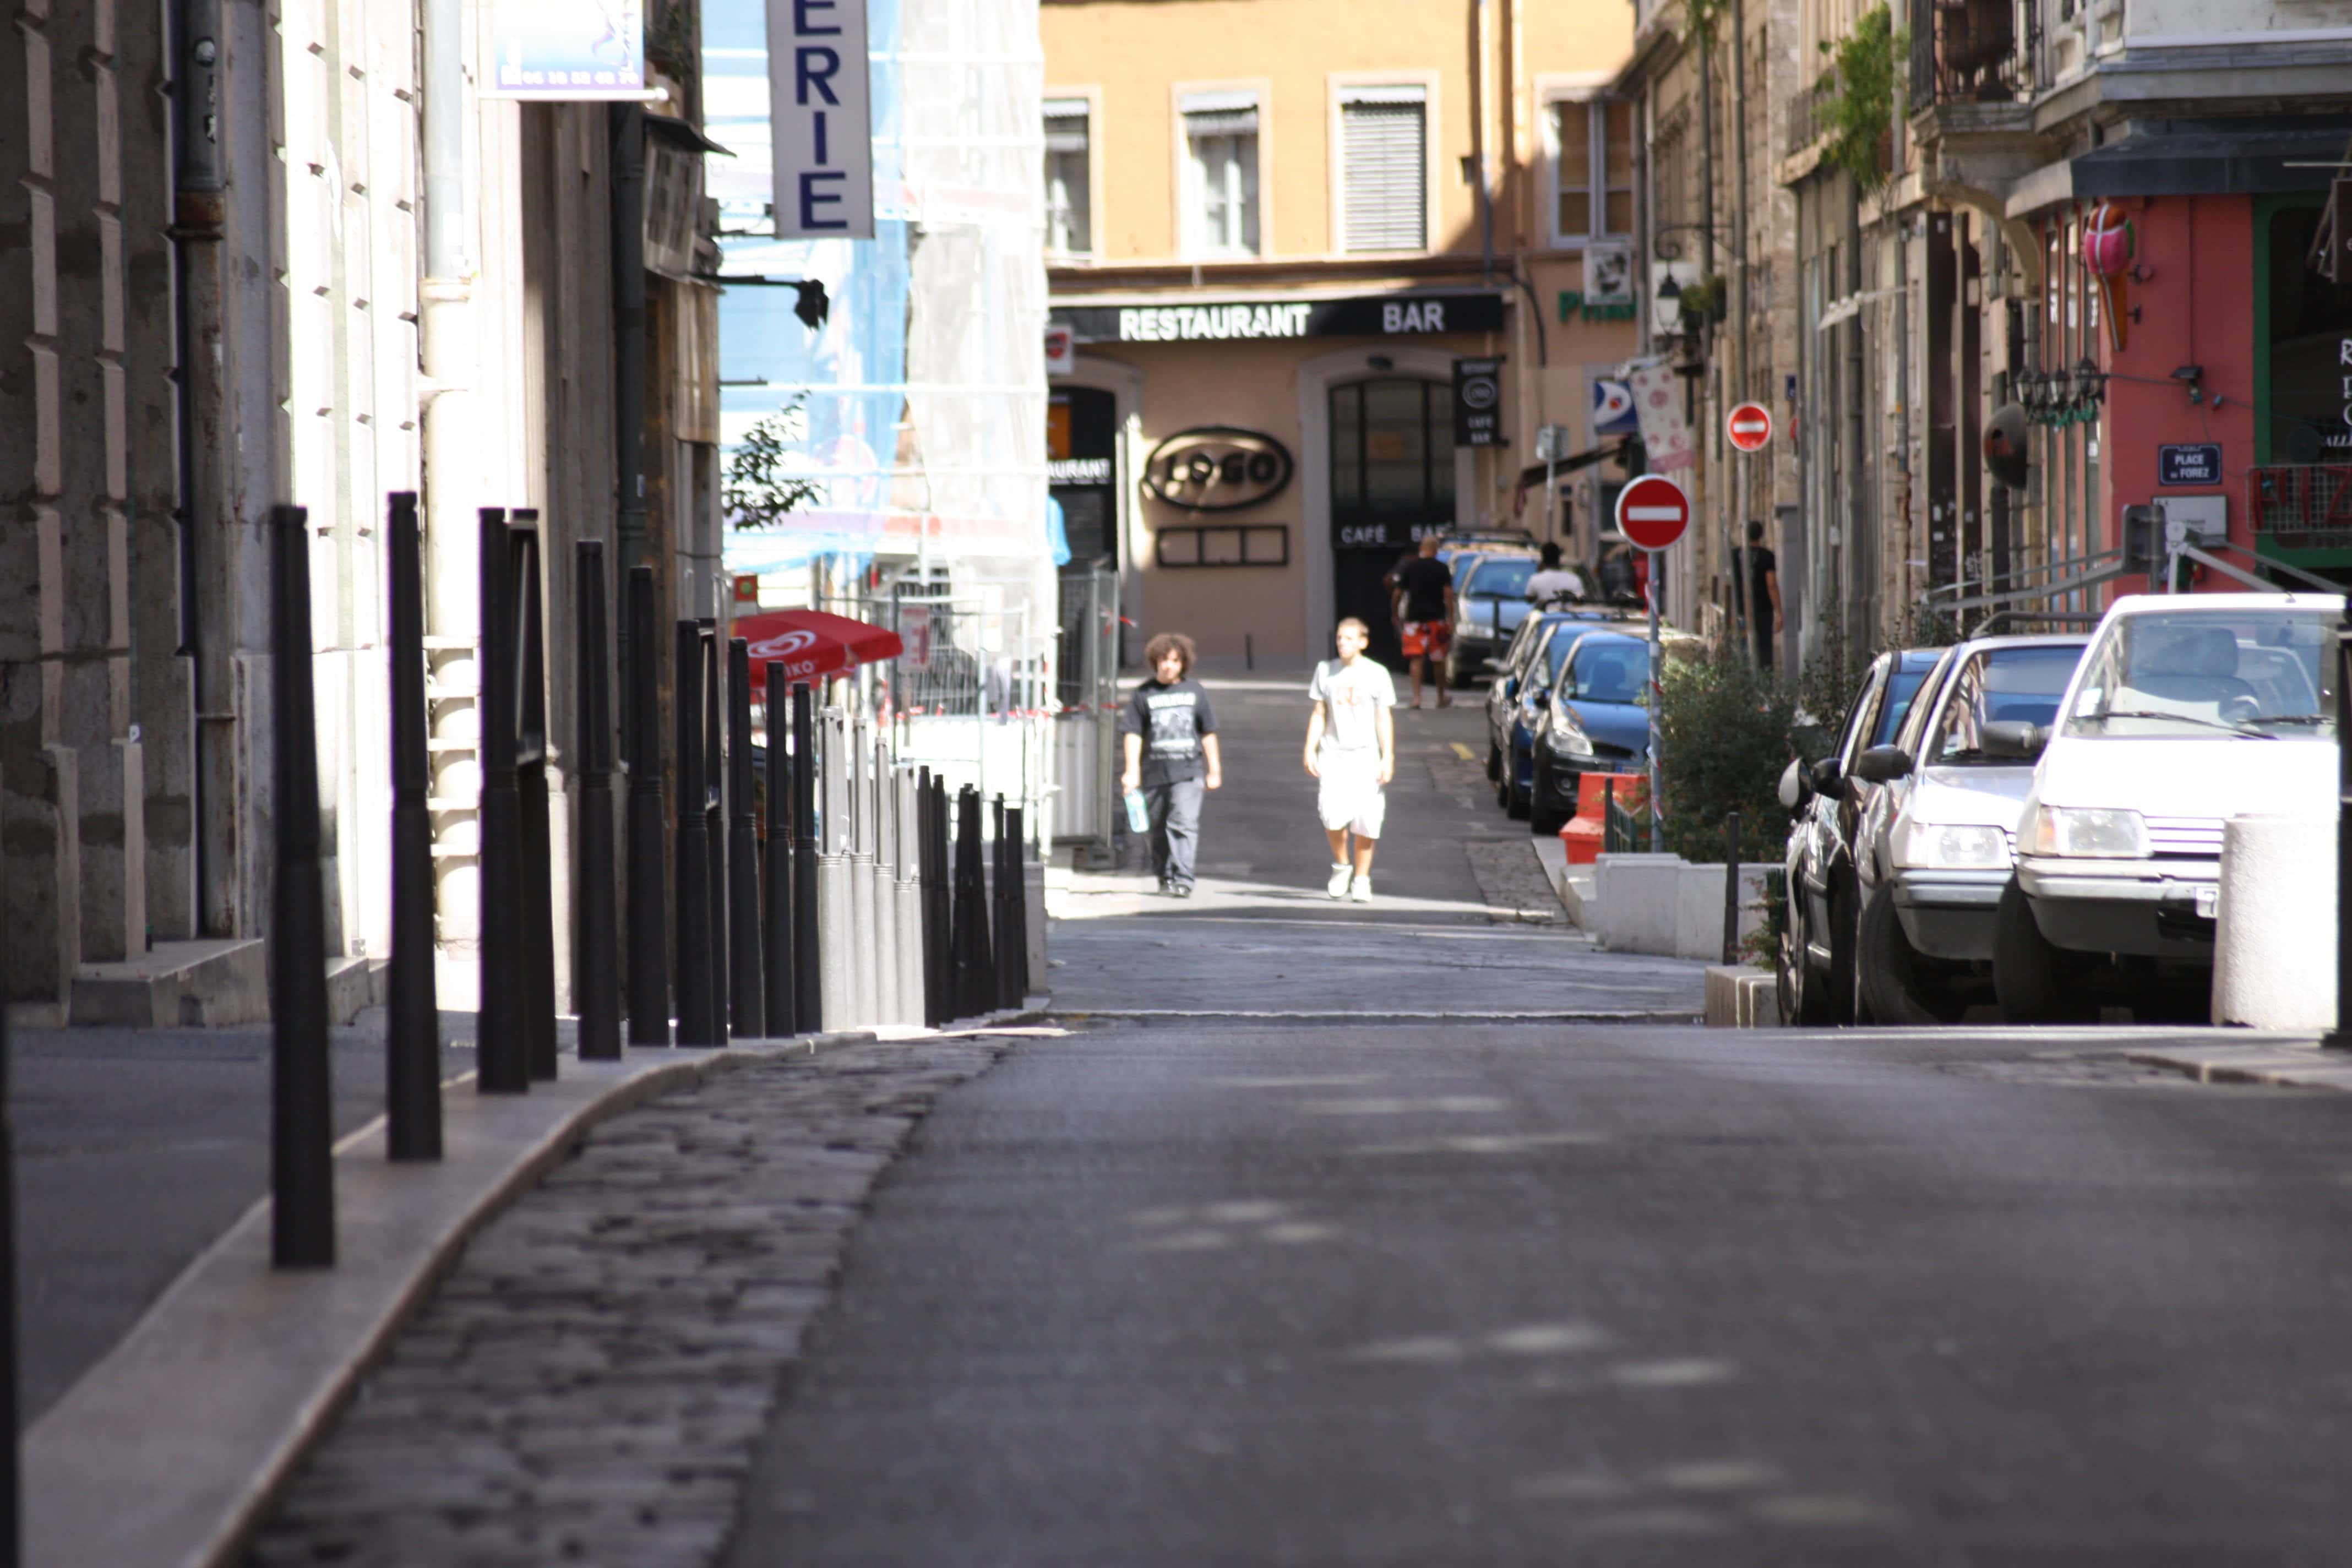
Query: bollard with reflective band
[(691, 857), (932, 874), (648, 933), (808, 942), (2340, 1036), (859, 950), (907, 898), (884, 871), (747, 1008), (1017, 895), (974, 953), (714, 823), (412, 1022), (596, 975), (776, 889), (538, 858), (502, 1046), (301, 1104)]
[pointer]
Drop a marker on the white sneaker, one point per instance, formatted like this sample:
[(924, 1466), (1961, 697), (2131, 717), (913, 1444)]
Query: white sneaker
[(1338, 886), (1362, 891)]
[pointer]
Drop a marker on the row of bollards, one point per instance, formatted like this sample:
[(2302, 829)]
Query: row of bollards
[(858, 897)]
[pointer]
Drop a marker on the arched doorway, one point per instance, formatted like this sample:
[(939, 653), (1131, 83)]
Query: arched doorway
[(1391, 482)]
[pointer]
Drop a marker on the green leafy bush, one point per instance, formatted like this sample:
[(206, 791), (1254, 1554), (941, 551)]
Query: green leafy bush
[(1859, 111), (1730, 729)]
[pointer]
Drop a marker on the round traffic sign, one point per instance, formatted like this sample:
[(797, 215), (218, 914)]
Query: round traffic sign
[(1749, 426), (1652, 511)]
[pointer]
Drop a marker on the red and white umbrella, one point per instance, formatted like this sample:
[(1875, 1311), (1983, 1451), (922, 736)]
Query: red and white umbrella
[(811, 643)]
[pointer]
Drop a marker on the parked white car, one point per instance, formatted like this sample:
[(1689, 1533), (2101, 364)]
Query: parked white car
[(1934, 850), (2187, 710)]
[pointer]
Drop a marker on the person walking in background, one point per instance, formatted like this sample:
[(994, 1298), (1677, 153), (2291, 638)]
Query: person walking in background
[(1552, 579), (1425, 612), (1170, 740), (1352, 753), (1763, 592)]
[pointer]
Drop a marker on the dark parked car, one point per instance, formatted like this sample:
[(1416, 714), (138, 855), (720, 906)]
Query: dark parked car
[(1596, 720), (1489, 603), (1817, 941), (1516, 702)]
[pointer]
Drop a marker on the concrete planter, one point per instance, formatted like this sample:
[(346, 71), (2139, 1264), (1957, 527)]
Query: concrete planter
[(2275, 933)]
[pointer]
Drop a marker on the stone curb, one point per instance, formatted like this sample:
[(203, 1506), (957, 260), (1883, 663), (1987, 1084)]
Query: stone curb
[(2284, 1064), (171, 1448)]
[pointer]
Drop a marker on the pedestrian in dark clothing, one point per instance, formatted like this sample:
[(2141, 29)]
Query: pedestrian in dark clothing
[(1424, 615), (1763, 596), (1170, 741)]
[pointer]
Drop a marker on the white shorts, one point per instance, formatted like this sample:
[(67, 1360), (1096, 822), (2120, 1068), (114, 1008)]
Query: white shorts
[(1349, 794)]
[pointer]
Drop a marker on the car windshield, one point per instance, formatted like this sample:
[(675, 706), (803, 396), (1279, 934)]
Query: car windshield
[(1999, 684), (1503, 576), (2256, 672), (1605, 670), (1901, 687)]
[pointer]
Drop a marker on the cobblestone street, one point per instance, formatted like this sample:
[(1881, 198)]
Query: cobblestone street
[(588, 1384)]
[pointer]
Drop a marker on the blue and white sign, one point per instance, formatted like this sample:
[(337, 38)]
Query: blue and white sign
[(1613, 409), (818, 103), (2198, 463), (567, 50)]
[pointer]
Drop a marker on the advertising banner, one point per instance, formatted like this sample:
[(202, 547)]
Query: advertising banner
[(1658, 402), (819, 97), (566, 51)]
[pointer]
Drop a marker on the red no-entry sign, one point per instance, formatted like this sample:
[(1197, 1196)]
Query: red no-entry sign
[(1749, 426), (1652, 511)]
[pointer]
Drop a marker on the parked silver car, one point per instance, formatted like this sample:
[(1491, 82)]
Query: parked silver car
[(1936, 845)]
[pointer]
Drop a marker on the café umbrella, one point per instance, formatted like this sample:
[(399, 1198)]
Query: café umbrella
[(812, 643)]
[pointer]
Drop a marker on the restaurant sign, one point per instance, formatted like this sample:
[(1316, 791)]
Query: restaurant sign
[(1231, 321)]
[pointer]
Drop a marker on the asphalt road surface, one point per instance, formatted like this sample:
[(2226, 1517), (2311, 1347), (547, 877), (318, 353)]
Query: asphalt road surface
[(1175, 1288)]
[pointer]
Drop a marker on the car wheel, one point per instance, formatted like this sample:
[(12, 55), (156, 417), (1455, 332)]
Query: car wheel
[(1517, 801), (2036, 981), (1804, 1000), (1542, 819), (1840, 1004), (1493, 762), (1897, 987)]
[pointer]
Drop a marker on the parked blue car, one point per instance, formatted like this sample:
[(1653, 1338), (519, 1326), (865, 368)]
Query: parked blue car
[(1515, 703), (1489, 603), (1595, 718)]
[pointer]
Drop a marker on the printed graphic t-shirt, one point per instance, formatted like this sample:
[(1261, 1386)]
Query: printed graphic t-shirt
[(1352, 696), (1171, 720)]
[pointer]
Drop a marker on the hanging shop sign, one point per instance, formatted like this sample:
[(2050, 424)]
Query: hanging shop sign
[(817, 104), (1478, 403), (1233, 320), (1215, 467), (567, 50)]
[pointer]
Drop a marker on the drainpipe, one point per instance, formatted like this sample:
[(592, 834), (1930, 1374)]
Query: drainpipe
[(626, 123), (447, 340), (1482, 104), (1743, 501), (209, 578)]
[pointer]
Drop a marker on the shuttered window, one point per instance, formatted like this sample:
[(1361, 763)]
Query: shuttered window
[(1383, 170)]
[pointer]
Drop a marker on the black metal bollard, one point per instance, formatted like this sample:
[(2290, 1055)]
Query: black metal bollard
[(648, 940), (1017, 899), (748, 1001), (808, 1009), (1731, 888), (777, 856), (974, 951), (2340, 1036), (597, 976), (1000, 906), (502, 1049), (413, 1035), (714, 820), (538, 862), (696, 997), (1609, 845), (927, 879), (12, 1486), (302, 1106)]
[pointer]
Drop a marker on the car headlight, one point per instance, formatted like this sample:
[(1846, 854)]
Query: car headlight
[(1565, 737), (1933, 846), (2103, 832)]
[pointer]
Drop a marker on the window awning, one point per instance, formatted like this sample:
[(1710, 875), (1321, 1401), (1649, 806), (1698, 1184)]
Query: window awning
[(2182, 158)]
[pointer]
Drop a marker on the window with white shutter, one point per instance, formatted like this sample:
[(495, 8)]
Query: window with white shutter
[(1069, 218), (1592, 169), (1221, 173), (1383, 168)]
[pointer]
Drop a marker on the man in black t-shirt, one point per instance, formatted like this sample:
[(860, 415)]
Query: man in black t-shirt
[(1170, 738), (1424, 612), (1763, 596)]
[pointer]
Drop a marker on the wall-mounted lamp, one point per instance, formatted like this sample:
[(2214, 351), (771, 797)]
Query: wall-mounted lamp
[(2192, 377)]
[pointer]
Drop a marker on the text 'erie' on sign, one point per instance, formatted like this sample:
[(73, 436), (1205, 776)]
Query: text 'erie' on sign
[(818, 96)]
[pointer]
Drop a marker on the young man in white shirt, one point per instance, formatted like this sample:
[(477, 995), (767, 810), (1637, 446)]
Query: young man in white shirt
[(1351, 751), (1552, 578)]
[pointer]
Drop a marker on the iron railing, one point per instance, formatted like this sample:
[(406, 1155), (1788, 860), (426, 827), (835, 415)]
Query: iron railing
[(2301, 506), (1970, 51)]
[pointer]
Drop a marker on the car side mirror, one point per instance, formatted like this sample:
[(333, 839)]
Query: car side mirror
[(1824, 775), (1510, 686), (2019, 739), (1794, 786), (1882, 765)]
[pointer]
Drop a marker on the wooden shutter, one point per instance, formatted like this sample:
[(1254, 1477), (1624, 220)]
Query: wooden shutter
[(1384, 167)]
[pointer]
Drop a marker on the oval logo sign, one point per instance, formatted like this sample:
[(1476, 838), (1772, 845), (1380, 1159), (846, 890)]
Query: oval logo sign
[(1217, 469), (785, 646)]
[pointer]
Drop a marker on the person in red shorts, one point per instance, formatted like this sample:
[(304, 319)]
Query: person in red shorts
[(1424, 612)]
